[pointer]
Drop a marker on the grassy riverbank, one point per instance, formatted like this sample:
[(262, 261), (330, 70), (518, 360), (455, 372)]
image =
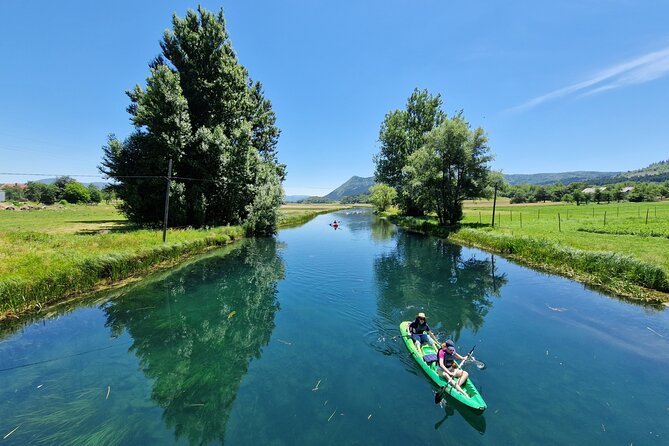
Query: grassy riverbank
[(52, 254), (295, 214), (626, 255)]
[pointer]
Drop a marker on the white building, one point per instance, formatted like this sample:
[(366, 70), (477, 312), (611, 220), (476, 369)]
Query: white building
[(2, 195), (592, 190)]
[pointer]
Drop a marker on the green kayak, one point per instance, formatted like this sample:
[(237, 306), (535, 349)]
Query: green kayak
[(475, 400)]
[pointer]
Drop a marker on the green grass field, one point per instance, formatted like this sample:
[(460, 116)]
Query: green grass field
[(628, 254), (50, 254), (582, 227)]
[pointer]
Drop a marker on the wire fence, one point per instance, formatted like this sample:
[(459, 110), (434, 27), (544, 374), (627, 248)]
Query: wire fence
[(650, 219)]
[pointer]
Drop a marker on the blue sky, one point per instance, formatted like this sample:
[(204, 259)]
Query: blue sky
[(558, 86)]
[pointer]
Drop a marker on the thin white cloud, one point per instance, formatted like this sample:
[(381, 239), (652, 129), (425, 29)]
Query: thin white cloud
[(643, 69)]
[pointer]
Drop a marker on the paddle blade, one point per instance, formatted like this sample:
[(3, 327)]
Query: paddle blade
[(438, 396)]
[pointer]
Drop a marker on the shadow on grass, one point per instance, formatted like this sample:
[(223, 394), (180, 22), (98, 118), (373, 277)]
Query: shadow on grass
[(117, 225)]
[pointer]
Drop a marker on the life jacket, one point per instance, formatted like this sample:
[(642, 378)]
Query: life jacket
[(449, 359), (419, 328)]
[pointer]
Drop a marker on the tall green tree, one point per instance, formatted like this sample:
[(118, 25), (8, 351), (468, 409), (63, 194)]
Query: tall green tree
[(201, 109), (451, 167), (96, 195), (382, 196), (42, 193), (17, 193), (75, 192), (403, 133)]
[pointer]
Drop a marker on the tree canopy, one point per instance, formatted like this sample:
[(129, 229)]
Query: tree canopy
[(402, 133), (449, 168), (382, 196), (201, 109)]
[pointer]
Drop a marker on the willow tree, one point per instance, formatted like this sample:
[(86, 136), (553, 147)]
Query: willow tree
[(449, 168), (201, 109)]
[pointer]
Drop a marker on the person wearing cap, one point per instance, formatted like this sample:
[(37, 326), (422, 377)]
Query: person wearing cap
[(420, 332), (449, 368)]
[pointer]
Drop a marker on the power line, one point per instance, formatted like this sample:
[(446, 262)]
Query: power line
[(104, 177), (53, 175)]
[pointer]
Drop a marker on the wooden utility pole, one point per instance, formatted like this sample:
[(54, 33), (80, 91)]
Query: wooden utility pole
[(494, 203), (167, 198)]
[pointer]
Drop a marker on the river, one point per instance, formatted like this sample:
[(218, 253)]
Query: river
[(293, 340)]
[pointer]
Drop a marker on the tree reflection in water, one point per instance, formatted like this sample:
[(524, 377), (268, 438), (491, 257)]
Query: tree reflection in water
[(431, 275), (196, 332), (381, 229)]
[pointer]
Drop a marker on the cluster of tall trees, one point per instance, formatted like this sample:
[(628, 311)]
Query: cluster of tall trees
[(433, 162), (200, 109), (63, 188)]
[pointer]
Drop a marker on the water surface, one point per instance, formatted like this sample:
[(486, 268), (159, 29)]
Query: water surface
[(290, 340)]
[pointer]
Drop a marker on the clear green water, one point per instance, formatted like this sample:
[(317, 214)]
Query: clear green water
[(290, 341)]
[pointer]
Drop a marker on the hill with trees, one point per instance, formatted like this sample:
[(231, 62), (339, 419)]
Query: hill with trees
[(559, 177), (655, 172)]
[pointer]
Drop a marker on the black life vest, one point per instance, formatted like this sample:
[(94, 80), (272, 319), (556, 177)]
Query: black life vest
[(419, 328), (449, 359)]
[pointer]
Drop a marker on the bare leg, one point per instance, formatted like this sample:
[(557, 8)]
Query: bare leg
[(463, 378), (453, 383)]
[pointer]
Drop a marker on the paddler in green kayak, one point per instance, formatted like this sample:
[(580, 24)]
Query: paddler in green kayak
[(421, 334), (449, 368)]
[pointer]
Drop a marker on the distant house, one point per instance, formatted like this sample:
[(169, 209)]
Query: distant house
[(627, 189), (592, 190), (2, 195)]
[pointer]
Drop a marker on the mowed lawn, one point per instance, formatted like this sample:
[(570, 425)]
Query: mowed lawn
[(625, 231)]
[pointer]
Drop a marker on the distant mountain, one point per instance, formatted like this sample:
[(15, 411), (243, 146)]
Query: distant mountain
[(354, 186), (294, 198), (561, 177), (655, 172)]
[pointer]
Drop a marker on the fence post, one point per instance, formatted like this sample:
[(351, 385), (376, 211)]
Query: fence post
[(647, 210), (559, 223), (604, 218), (511, 214), (618, 211), (167, 198), (494, 203), (521, 220)]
